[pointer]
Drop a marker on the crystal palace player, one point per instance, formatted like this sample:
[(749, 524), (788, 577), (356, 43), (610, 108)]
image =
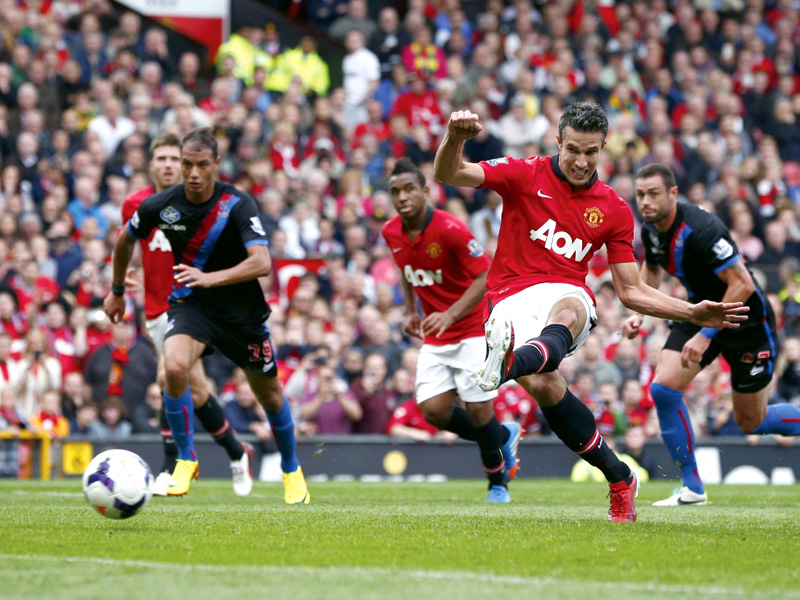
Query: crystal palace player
[(697, 248), (556, 214), (157, 263), (220, 250), (443, 265)]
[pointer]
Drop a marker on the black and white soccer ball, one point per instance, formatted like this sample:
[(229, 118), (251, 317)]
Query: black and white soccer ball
[(118, 483)]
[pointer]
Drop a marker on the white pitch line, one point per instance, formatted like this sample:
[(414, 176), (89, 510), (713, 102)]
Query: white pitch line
[(383, 572)]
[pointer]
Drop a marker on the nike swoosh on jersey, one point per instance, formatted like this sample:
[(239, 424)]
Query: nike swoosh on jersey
[(542, 195), (396, 250)]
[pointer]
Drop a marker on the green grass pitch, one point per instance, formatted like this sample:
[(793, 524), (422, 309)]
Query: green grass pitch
[(399, 540)]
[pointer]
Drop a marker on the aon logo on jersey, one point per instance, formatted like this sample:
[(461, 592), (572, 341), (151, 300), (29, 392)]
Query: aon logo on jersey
[(159, 242), (421, 277), (560, 242)]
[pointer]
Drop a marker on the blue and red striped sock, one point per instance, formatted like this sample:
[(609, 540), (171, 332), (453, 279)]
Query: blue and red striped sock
[(180, 416), (783, 419), (677, 433), (283, 430)]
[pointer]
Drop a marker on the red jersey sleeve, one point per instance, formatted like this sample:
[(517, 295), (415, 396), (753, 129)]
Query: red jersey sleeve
[(620, 244), (469, 253), (506, 176)]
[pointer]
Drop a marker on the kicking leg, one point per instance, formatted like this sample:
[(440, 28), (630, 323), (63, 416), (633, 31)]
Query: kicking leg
[(573, 423)]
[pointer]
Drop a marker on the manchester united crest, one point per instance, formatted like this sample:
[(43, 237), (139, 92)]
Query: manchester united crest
[(593, 217), (433, 250)]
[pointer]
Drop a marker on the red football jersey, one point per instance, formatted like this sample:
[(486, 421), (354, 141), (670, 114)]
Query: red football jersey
[(409, 414), (440, 264), (549, 233), (157, 260)]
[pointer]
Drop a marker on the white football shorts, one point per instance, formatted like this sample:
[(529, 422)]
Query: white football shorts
[(452, 367), (530, 309), (156, 329)]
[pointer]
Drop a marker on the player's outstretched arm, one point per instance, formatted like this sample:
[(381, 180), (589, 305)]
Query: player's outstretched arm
[(449, 165), (257, 264), (650, 276), (637, 296), (114, 304)]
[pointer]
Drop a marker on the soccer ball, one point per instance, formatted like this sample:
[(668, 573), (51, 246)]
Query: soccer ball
[(118, 484)]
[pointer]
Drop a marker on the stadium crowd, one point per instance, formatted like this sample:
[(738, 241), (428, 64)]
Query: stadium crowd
[(711, 89)]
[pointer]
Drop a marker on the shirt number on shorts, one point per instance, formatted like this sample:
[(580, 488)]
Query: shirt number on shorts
[(259, 353)]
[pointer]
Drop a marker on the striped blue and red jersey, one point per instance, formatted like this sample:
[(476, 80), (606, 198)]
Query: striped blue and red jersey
[(696, 249), (211, 236)]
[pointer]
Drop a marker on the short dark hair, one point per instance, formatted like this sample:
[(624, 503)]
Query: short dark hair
[(165, 139), (666, 174), (404, 165), (204, 138), (586, 117)]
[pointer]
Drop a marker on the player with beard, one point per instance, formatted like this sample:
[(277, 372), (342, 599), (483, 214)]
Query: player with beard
[(697, 248)]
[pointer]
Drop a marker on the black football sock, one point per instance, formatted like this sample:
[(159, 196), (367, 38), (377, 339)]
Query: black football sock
[(573, 422), (461, 425), (214, 422), (170, 449), (490, 440), (541, 354)]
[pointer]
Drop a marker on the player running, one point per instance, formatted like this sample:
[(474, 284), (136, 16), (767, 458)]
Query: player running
[(556, 214), (444, 266), (219, 249), (697, 248), (157, 263)]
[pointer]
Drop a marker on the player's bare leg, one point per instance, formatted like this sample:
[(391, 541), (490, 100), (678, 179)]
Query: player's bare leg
[(181, 352), (269, 393)]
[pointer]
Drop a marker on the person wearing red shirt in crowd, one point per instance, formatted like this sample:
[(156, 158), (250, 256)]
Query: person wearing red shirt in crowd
[(157, 263), (408, 421), (9, 368), (375, 124), (556, 214), (60, 338), (12, 323), (513, 403), (445, 268), (419, 104), (31, 287)]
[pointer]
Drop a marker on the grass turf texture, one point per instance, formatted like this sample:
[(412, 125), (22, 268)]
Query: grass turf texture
[(399, 540)]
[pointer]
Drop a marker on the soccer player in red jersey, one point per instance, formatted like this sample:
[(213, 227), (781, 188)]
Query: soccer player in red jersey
[(445, 268), (556, 214), (157, 263)]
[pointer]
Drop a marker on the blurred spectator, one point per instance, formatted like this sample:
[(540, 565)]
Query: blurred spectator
[(113, 418), (9, 368), (112, 126), (49, 420), (122, 368), (362, 73), (356, 19), (374, 397), (330, 409), (388, 40), (146, 416), (41, 372), (86, 422), (634, 446), (246, 415)]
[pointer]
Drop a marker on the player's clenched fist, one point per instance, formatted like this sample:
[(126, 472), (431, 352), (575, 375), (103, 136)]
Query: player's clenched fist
[(464, 125)]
